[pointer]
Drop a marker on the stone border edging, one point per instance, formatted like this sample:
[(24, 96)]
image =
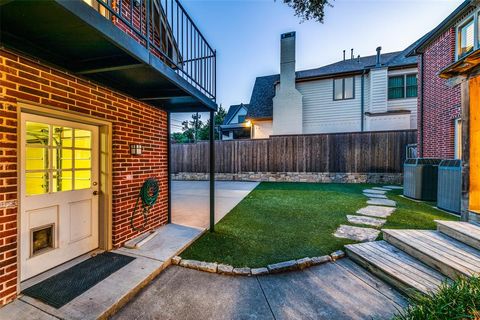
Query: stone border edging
[(311, 177), (284, 266)]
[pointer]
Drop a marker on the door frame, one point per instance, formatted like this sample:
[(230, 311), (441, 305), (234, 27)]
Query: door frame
[(105, 167)]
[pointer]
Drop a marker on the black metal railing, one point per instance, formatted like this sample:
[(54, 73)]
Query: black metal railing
[(166, 29)]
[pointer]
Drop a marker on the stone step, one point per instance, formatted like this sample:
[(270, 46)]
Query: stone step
[(447, 255), (374, 191), (395, 267), (375, 195), (381, 189), (376, 211), (393, 187), (382, 202), (356, 233), (462, 231), (369, 221)]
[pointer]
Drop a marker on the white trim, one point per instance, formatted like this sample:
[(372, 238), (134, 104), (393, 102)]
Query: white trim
[(457, 142)]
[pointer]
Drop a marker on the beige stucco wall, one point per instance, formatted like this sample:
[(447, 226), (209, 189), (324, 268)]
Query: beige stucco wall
[(262, 129)]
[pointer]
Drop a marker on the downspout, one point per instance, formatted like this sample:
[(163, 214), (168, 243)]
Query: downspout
[(420, 125), (169, 170), (362, 101)]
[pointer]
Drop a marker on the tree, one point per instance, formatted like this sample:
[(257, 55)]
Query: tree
[(204, 133), (195, 129), (309, 9), (191, 128), (179, 137)]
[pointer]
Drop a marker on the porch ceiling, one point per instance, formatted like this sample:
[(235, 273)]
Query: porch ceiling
[(73, 36)]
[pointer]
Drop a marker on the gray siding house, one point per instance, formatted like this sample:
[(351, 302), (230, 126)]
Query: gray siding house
[(372, 93)]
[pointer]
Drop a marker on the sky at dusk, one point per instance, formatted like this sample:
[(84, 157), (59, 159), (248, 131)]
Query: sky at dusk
[(246, 35)]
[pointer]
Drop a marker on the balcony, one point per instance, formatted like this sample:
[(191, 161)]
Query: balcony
[(149, 49)]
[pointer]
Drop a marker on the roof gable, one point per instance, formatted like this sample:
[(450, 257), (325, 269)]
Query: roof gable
[(232, 111)]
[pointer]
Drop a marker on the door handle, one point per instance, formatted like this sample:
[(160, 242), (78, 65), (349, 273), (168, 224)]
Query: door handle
[(95, 193)]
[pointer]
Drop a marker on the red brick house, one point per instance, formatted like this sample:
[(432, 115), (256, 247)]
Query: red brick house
[(84, 86), (449, 97), (438, 102)]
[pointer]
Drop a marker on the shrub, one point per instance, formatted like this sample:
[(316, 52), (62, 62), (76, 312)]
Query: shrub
[(457, 300)]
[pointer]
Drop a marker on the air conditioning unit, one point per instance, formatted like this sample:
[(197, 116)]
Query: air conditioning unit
[(450, 185), (420, 178)]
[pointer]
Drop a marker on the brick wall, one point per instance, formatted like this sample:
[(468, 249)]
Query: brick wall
[(132, 121), (441, 103)]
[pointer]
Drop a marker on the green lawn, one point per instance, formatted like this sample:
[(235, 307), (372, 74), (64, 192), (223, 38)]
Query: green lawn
[(284, 221)]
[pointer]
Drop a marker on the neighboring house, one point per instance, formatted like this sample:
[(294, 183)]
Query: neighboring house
[(439, 126), (449, 104), (371, 93), (86, 86), (235, 125)]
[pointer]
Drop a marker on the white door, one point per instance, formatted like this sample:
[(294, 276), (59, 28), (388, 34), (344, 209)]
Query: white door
[(58, 194)]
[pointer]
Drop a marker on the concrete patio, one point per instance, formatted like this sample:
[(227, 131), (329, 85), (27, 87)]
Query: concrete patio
[(339, 290), (190, 200), (106, 297)]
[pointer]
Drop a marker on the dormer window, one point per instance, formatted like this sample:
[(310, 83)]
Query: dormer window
[(466, 38)]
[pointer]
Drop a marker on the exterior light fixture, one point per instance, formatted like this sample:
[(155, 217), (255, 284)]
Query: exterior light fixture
[(135, 149), (248, 123)]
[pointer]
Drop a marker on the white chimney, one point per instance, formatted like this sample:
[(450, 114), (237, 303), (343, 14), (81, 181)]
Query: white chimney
[(288, 101), (287, 60)]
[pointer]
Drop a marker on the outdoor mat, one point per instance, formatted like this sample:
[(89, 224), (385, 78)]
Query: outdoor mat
[(65, 286)]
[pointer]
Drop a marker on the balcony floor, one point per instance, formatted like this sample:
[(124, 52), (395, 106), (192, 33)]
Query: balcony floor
[(75, 37)]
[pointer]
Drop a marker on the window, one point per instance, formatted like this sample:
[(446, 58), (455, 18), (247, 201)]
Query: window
[(412, 87), (57, 158), (396, 87), (100, 8), (403, 86), (465, 38), (241, 119), (343, 88)]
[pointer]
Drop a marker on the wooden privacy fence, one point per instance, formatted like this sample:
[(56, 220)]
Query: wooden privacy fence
[(359, 152)]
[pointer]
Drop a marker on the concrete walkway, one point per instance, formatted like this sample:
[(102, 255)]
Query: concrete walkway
[(340, 290), (191, 200), (107, 296)]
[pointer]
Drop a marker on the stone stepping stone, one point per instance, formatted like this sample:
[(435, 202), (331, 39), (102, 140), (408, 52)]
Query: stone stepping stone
[(356, 233), (381, 189), (393, 187), (382, 202), (374, 195), (376, 211), (366, 220), (374, 191)]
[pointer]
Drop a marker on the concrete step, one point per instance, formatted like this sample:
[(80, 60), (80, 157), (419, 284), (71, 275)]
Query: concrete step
[(396, 267), (447, 255), (462, 231)]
